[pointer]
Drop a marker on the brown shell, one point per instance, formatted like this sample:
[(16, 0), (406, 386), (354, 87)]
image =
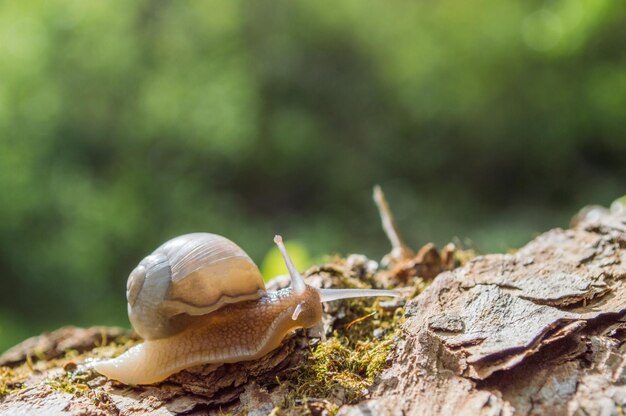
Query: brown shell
[(190, 275)]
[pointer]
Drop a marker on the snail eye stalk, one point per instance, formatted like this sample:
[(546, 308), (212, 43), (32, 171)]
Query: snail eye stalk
[(297, 282)]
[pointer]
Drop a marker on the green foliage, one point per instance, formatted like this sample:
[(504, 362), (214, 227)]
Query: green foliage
[(123, 124)]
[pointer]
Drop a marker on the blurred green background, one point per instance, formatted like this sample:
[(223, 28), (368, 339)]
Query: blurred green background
[(123, 124)]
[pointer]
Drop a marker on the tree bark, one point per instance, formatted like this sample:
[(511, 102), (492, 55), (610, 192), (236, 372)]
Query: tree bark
[(537, 332)]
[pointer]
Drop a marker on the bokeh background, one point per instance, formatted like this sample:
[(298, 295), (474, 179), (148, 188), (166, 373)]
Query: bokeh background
[(123, 124)]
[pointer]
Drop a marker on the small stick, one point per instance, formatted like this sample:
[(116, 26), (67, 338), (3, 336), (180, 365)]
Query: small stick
[(362, 318), (399, 250)]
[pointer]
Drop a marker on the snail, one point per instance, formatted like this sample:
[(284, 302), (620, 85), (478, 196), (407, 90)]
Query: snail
[(200, 299)]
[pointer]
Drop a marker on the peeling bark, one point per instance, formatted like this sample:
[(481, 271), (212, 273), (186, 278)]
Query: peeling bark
[(540, 331), (537, 332)]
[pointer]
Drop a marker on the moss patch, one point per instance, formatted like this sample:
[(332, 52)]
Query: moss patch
[(342, 369), (13, 379)]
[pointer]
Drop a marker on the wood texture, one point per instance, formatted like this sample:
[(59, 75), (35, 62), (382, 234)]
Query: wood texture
[(537, 332)]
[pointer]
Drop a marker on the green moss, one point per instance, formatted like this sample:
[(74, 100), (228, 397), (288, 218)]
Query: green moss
[(76, 382), (10, 381), (343, 368), (67, 385), (113, 349), (461, 257), (13, 379), (336, 369)]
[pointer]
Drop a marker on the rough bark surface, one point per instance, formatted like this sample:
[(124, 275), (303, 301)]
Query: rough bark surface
[(537, 332)]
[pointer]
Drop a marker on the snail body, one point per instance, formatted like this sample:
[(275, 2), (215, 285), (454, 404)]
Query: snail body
[(199, 299)]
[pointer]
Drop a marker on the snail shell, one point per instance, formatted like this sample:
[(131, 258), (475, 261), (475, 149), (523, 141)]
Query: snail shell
[(187, 277), (199, 299)]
